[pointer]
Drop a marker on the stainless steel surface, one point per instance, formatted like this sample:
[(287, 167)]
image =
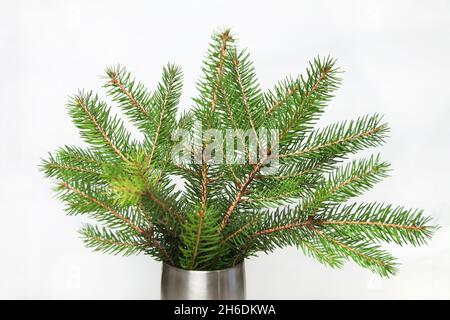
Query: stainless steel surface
[(226, 284)]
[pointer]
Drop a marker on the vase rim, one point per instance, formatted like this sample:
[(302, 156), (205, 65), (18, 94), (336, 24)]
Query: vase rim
[(237, 266)]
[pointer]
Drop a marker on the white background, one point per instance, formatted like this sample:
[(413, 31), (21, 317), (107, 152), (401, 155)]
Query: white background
[(396, 58)]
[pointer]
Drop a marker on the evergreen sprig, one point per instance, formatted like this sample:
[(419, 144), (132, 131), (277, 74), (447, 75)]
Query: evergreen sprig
[(203, 215)]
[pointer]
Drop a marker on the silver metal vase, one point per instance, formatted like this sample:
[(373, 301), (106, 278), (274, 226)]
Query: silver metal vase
[(226, 284)]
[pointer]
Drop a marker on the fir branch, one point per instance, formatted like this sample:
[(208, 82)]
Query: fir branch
[(295, 87), (374, 224), (166, 98), (292, 88), (129, 94), (256, 168), (200, 245), (101, 204), (201, 215), (303, 106), (243, 227), (93, 119), (204, 196), (224, 38), (365, 255), (150, 195), (238, 69), (55, 167), (320, 252), (351, 180), (111, 242), (58, 166), (217, 215), (340, 139), (380, 222), (266, 193), (214, 68), (239, 195), (296, 224), (163, 250)]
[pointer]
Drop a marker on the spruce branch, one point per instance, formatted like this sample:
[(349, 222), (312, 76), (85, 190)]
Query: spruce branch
[(319, 72), (213, 72), (73, 164), (203, 215), (320, 250), (363, 253), (285, 90), (351, 180), (244, 85), (165, 100), (298, 104), (99, 205), (200, 240), (132, 96), (110, 242), (96, 125), (340, 139), (225, 38), (161, 204), (381, 222), (119, 243), (296, 224), (239, 195)]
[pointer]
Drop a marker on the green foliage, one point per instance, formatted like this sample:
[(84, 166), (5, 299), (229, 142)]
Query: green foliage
[(201, 241), (130, 95), (105, 133), (112, 242), (128, 181), (296, 105), (205, 216)]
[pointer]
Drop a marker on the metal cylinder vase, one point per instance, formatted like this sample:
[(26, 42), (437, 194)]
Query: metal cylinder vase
[(225, 284)]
